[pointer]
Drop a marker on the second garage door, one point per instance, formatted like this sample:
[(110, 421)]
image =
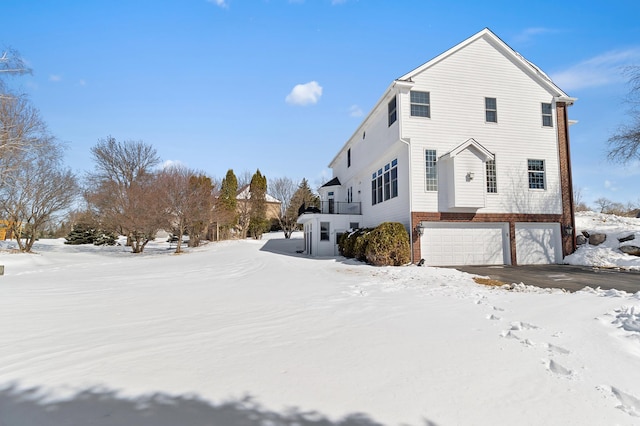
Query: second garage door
[(451, 243), (538, 243)]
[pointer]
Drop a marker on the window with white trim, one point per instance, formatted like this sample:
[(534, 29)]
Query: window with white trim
[(384, 183), (547, 117), (420, 104), (492, 181), (491, 110), (324, 231), (392, 110), (535, 170), (431, 170)]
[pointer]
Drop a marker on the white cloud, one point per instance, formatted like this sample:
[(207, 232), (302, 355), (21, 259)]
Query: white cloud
[(600, 70), (355, 111), (611, 186), (221, 3), (82, 82), (334, 2), (172, 163), (528, 34), (305, 94), (55, 78)]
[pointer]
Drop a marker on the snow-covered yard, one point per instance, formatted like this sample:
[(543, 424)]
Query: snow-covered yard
[(250, 333)]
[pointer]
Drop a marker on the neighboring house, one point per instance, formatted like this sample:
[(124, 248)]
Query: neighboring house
[(243, 208), (272, 203), (470, 151)]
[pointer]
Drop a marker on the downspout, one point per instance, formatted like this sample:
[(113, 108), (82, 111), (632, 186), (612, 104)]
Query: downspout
[(408, 143)]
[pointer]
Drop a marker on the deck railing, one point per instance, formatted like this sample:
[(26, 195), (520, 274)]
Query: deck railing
[(333, 207)]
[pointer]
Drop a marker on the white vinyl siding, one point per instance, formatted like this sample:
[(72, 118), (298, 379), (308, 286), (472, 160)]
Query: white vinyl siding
[(520, 125)]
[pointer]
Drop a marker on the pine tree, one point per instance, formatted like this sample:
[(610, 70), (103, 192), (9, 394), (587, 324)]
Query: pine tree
[(303, 199), (226, 205), (258, 223)]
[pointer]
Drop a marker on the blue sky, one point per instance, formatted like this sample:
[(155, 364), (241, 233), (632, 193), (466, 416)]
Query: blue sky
[(280, 85)]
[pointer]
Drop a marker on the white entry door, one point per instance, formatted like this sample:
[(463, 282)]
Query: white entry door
[(538, 243), (451, 243)]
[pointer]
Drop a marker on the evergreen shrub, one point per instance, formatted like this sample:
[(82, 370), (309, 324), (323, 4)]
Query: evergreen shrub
[(388, 245)]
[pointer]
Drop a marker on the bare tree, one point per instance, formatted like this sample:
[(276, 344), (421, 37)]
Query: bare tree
[(578, 202), (11, 64), (21, 129), (624, 145), (36, 191), (124, 190), (603, 203), (283, 189), (188, 198)]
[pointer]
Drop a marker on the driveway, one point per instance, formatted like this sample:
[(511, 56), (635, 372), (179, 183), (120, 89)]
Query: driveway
[(568, 277)]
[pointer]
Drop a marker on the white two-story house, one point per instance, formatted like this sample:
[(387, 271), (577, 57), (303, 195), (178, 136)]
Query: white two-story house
[(470, 151)]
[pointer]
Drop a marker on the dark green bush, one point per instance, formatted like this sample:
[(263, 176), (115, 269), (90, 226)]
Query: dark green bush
[(353, 244), (388, 245), (86, 234)]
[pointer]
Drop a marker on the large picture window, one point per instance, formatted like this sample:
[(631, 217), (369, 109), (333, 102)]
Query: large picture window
[(536, 174), (431, 170), (384, 183), (420, 104)]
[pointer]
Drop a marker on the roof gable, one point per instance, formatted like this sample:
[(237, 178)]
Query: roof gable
[(532, 70), (470, 144), (244, 193)]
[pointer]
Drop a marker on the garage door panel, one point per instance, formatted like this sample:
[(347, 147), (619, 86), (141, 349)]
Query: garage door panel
[(538, 243), (449, 243)]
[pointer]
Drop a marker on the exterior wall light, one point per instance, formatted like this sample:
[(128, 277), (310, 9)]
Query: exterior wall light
[(568, 230), (470, 176)]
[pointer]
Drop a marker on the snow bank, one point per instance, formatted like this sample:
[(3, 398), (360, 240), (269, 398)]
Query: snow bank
[(606, 255), (250, 332)]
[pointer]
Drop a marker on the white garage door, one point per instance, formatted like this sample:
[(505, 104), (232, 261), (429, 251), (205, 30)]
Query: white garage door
[(538, 243), (448, 243)]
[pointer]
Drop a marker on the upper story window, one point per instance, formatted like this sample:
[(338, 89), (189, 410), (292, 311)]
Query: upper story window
[(384, 183), (393, 111), (491, 110), (420, 104), (492, 181), (547, 117), (536, 174), (349, 157), (431, 170)]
